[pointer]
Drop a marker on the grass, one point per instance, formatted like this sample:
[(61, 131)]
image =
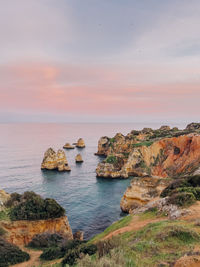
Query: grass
[(145, 143), (117, 225), (111, 159), (4, 215), (153, 245)]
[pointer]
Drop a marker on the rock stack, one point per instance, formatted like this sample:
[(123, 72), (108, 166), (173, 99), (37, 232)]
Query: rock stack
[(55, 161)]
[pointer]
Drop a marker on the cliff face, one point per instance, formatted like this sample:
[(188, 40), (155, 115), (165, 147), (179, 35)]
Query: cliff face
[(150, 153), (141, 191), (21, 233)]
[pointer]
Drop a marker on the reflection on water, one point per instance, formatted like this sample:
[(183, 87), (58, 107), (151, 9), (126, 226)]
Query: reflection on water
[(91, 204)]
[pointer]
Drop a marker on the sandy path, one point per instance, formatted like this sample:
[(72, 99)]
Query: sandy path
[(34, 260), (136, 224)]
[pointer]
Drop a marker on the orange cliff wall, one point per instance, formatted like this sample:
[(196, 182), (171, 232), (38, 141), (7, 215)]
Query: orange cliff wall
[(21, 233)]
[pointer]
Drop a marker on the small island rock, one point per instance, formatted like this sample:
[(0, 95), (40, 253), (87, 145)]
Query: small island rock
[(55, 161), (78, 158), (80, 143), (68, 146)]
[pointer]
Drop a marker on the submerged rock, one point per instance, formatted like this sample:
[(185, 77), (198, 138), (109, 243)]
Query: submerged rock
[(68, 146), (141, 191), (78, 158), (80, 143), (55, 161)]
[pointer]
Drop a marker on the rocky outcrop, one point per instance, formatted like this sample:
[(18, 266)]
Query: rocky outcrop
[(4, 197), (141, 191), (164, 152), (78, 235), (55, 161), (79, 158), (80, 143), (21, 233), (68, 146)]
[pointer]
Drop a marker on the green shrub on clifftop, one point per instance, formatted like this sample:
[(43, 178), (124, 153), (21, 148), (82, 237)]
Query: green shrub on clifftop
[(31, 206)]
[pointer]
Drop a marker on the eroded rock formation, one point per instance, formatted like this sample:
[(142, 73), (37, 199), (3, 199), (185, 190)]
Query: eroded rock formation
[(80, 143), (164, 152), (55, 161), (141, 191), (79, 158), (4, 197), (21, 233), (68, 146)]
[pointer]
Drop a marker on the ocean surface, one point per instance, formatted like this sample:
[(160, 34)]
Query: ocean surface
[(91, 203)]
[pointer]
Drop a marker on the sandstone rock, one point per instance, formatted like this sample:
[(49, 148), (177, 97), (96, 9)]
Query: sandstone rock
[(4, 197), (78, 235), (21, 233), (141, 191), (78, 158), (55, 161), (164, 128), (107, 170), (68, 146), (80, 143), (103, 145)]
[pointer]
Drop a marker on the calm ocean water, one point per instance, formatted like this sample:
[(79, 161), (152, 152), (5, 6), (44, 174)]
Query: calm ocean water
[(91, 203)]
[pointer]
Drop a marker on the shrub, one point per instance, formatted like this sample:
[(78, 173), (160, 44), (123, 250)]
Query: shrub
[(31, 206), (71, 257), (182, 199), (11, 254), (104, 247), (111, 159), (73, 254), (52, 253), (46, 240), (2, 231)]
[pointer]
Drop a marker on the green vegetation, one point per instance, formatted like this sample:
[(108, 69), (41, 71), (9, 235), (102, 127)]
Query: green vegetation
[(111, 159), (151, 246), (5, 215), (117, 225), (2, 231), (184, 191), (31, 206), (11, 254), (46, 240), (74, 254), (145, 143)]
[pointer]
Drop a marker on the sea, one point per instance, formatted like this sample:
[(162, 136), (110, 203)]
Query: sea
[(91, 203)]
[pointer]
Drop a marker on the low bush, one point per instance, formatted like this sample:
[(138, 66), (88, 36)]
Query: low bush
[(11, 254), (31, 206), (2, 231), (182, 199), (73, 254), (104, 247), (146, 143), (46, 240), (111, 159), (52, 253)]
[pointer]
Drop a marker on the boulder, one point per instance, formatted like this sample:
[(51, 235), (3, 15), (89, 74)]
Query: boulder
[(80, 143), (68, 146), (78, 158), (55, 161)]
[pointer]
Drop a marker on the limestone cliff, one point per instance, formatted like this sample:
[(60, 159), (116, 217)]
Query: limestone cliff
[(141, 191), (55, 161), (164, 152), (21, 233)]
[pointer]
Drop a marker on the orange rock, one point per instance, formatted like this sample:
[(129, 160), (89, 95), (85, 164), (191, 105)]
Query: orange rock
[(21, 233)]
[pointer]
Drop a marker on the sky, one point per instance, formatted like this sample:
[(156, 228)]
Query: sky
[(99, 60)]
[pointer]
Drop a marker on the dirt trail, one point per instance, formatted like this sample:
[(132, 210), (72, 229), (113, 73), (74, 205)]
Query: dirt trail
[(34, 260), (136, 224)]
